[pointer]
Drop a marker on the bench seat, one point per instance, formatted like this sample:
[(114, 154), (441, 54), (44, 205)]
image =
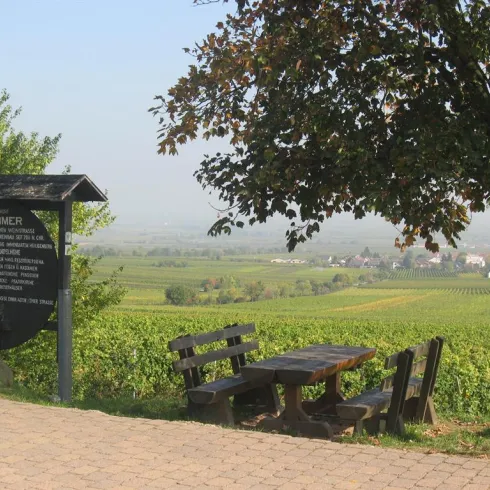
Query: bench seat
[(220, 389), (373, 401)]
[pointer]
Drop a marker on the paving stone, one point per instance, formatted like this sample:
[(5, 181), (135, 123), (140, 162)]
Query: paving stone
[(57, 448)]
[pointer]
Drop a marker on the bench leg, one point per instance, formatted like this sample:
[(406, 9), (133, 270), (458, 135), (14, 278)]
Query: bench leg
[(430, 416), (295, 418), (410, 408), (269, 398), (414, 412), (219, 412), (370, 425), (373, 425), (327, 402), (396, 427)]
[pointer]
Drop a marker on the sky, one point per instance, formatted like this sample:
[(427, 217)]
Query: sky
[(89, 69)]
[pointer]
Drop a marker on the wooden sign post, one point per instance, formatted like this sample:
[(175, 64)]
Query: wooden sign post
[(33, 278)]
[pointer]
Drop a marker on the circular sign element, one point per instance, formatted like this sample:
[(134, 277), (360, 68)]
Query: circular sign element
[(28, 275)]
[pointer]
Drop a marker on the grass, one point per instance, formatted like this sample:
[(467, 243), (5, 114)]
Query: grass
[(450, 436), (150, 408)]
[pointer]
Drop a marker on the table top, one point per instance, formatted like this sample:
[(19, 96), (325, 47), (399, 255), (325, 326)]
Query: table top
[(309, 365)]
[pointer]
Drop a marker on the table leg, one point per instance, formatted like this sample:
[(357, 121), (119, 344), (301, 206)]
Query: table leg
[(327, 402), (296, 418)]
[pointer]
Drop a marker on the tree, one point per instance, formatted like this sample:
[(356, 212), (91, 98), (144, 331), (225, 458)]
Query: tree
[(229, 282), (286, 290), (461, 259), (209, 284), (22, 154), (318, 287), (271, 293), (181, 295), (341, 106), (303, 288), (31, 154), (342, 279), (226, 296), (409, 260), (384, 265), (448, 266), (366, 253), (254, 290)]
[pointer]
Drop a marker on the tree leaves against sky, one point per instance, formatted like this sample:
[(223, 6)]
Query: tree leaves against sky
[(342, 106)]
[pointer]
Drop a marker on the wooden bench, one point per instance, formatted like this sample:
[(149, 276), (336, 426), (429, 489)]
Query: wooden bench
[(404, 395), (210, 401)]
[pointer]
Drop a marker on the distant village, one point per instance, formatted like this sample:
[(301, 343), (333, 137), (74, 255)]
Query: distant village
[(438, 260)]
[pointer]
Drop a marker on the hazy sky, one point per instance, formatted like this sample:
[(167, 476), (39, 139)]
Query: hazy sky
[(89, 69)]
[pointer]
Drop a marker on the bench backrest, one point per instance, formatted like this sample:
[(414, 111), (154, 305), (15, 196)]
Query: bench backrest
[(190, 361), (408, 364), (430, 351)]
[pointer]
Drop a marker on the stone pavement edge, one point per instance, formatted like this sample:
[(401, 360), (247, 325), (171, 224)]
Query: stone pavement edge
[(59, 448)]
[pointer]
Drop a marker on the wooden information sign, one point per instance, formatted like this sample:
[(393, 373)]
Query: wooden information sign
[(28, 275)]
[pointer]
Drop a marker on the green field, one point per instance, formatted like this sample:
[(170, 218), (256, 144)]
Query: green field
[(388, 298), (125, 350), (146, 283), (424, 295)]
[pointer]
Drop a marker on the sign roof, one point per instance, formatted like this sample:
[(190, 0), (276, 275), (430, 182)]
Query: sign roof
[(50, 188)]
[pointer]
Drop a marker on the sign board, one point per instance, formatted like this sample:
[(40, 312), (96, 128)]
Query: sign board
[(28, 275)]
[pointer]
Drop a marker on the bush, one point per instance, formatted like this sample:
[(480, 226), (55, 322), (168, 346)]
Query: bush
[(254, 290), (226, 296), (181, 295), (342, 278)]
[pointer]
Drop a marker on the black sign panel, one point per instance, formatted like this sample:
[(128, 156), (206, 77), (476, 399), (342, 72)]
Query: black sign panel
[(28, 275)]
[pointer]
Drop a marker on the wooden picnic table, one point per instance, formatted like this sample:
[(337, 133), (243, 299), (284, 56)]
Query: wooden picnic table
[(308, 366)]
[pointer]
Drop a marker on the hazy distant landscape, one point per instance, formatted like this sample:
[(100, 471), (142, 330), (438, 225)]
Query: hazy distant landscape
[(339, 234)]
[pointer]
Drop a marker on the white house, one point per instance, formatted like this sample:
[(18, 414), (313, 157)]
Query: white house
[(288, 261), (477, 260), (435, 260)]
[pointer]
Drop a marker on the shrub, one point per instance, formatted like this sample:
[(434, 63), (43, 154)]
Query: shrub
[(342, 278), (181, 295), (226, 296)]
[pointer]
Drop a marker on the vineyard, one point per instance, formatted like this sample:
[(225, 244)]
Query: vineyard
[(408, 274), (460, 284), (467, 290), (125, 351)]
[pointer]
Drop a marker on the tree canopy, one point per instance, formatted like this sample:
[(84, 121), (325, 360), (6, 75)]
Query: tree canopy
[(333, 106)]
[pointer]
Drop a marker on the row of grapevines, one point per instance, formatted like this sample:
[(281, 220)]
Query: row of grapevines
[(122, 353), (421, 274)]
